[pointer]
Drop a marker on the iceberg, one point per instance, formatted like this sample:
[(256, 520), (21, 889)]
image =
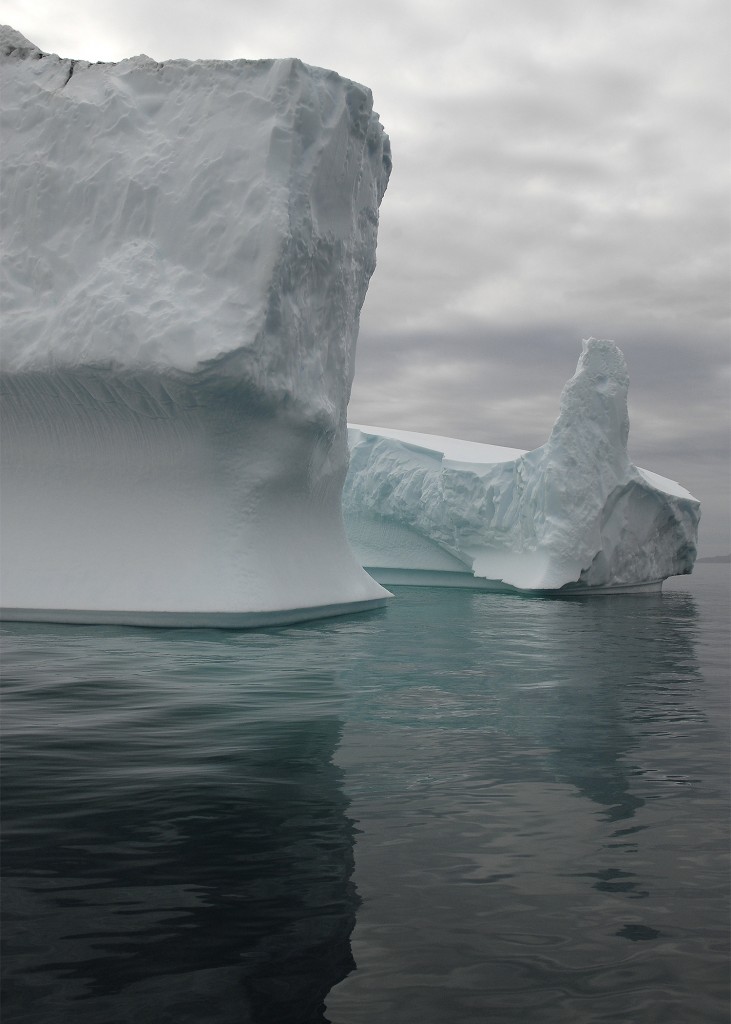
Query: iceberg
[(572, 517), (186, 249)]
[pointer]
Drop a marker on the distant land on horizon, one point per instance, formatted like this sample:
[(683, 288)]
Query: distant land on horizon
[(726, 559)]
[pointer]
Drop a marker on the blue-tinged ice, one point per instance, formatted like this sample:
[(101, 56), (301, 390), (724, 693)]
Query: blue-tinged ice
[(573, 515)]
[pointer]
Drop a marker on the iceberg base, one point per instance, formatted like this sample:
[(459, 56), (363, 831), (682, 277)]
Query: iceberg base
[(165, 499), (189, 620), (465, 580)]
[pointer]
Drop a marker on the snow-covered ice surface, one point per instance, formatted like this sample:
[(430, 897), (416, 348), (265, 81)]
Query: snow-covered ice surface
[(186, 248), (572, 516)]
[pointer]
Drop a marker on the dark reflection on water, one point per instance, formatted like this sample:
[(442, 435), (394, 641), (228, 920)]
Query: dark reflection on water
[(538, 790), (178, 845)]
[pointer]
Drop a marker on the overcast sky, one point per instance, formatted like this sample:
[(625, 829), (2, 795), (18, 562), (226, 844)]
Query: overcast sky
[(561, 170)]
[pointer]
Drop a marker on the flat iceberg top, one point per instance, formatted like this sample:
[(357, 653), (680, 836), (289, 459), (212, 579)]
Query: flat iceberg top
[(452, 448), (476, 453), (663, 483)]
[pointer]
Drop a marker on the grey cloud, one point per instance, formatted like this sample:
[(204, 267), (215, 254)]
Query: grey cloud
[(503, 386)]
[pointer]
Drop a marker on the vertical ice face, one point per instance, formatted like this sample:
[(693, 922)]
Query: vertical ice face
[(573, 512), (596, 519), (186, 250)]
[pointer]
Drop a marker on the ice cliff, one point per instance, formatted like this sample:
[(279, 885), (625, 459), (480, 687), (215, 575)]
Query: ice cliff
[(186, 247), (572, 515)]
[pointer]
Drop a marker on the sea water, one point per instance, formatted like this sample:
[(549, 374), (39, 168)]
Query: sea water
[(465, 807)]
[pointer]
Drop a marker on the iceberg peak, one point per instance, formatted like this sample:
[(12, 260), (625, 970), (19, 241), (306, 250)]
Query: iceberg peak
[(597, 395), (13, 44)]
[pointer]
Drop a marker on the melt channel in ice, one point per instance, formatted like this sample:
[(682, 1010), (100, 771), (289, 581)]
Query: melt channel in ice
[(573, 516), (186, 250)]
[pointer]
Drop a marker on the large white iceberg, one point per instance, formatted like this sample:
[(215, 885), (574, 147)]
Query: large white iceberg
[(574, 516), (186, 247)]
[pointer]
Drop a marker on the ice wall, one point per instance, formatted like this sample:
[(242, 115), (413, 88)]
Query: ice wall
[(186, 249), (573, 514)]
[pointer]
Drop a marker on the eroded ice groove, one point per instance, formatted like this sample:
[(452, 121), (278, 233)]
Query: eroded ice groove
[(186, 250), (570, 516)]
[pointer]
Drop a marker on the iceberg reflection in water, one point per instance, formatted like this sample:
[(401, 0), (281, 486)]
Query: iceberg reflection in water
[(178, 845), (537, 791)]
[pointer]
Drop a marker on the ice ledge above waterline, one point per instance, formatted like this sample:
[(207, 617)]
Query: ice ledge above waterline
[(189, 620), (466, 581)]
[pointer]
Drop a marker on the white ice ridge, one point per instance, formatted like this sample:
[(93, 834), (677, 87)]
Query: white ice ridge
[(186, 250), (572, 516)]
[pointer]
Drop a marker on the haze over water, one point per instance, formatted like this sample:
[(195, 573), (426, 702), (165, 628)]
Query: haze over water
[(464, 808)]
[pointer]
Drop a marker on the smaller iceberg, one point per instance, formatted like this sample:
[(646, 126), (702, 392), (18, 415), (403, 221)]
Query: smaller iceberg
[(573, 516)]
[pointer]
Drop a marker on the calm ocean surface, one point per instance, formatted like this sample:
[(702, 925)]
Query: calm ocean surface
[(463, 809)]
